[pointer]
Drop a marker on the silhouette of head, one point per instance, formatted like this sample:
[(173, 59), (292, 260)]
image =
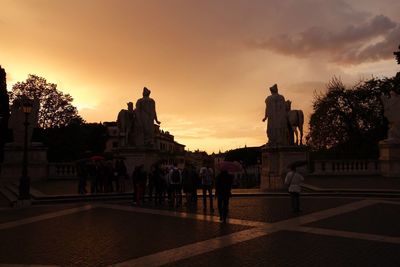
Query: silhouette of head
[(288, 105), (274, 89), (146, 92)]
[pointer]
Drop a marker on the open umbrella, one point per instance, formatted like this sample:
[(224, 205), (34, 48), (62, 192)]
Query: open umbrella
[(230, 166), (97, 158)]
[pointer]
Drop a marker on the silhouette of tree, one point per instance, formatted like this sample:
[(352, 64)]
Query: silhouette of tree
[(350, 120), (56, 109), (397, 55), (72, 142), (245, 155)]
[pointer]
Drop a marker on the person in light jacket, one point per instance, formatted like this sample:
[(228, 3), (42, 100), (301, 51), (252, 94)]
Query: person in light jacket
[(293, 180)]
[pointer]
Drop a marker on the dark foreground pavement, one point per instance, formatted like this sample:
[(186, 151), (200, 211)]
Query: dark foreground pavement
[(261, 231)]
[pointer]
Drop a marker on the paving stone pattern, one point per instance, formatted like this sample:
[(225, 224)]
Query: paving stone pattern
[(381, 219), (263, 209), (330, 231), (12, 214), (286, 248), (99, 237)]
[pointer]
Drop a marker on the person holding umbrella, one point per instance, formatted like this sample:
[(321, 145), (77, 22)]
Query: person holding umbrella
[(293, 179)]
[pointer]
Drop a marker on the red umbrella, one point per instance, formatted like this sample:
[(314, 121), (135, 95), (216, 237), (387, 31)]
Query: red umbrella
[(230, 166), (97, 158)]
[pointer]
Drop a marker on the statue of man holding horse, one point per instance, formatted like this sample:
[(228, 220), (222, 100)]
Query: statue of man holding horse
[(146, 115), (275, 112)]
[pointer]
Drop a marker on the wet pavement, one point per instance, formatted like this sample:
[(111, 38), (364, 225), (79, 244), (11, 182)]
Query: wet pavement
[(262, 231), (286, 248), (263, 209)]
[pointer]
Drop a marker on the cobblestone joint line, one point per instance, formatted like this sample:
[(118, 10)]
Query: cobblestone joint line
[(45, 217)]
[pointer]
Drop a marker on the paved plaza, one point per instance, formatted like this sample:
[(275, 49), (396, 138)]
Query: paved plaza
[(261, 231)]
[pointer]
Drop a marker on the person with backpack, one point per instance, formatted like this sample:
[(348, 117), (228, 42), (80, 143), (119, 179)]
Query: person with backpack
[(293, 180), (206, 176), (175, 185)]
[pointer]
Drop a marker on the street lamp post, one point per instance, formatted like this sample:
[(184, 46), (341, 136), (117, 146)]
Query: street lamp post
[(24, 183)]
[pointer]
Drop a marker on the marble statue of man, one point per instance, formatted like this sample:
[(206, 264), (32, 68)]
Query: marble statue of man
[(391, 107), (146, 115), (275, 113)]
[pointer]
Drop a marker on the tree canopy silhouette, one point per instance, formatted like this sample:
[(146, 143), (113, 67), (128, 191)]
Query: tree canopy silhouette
[(350, 120), (73, 141), (56, 109), (245, 155)]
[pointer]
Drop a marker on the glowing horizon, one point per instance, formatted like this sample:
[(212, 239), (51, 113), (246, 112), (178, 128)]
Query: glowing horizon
[(209, 65)]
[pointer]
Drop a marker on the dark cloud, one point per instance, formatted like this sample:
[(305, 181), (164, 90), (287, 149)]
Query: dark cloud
[(348, 46), (380, 50)]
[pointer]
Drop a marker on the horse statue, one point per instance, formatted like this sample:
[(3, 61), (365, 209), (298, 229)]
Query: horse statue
[(295, 120), (125, 124)]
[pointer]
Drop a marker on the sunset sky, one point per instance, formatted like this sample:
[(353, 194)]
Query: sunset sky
[(208, 63)]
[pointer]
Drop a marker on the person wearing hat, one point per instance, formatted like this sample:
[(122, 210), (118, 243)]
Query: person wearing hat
[(275, 112)]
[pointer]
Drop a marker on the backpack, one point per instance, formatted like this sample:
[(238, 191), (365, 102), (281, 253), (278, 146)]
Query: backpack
[(206, 178), (176, 177)]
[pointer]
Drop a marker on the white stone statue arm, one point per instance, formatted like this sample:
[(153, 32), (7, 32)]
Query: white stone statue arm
[(155, 115), (266, 113)]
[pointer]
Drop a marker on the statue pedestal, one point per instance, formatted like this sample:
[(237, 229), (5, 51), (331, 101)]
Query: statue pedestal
[(136, 156), (11, 168), (275, 163), (389, 158)]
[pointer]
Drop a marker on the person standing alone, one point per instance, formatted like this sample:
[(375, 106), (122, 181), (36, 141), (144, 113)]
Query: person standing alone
[(293, 180), (223, 186)]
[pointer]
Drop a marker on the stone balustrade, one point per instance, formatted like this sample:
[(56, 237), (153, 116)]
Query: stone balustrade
[(346, 167), (62, 170)]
